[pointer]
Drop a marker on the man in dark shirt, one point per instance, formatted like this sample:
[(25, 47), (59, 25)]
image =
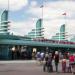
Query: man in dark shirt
[(56, 58)]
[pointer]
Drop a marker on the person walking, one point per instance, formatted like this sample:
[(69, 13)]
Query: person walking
[(72, 63), (45, 63), (49, 63), (63, 64), (42, 55), (38, 57), (56, 59)]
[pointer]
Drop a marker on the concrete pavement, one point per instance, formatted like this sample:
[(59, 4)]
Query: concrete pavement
[(23, 67), (21, 61), (17, 61)]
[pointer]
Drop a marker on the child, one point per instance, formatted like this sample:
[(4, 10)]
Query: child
[(63, 65), (68, 67)]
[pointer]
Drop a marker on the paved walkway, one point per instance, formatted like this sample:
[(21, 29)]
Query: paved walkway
[(20, 61), (17, 61), (25, 67)]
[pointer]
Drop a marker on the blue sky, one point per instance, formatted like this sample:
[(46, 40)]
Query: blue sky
[(23, 15), (20, 15)]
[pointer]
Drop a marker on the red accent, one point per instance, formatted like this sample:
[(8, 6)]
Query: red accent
[(71, 58)]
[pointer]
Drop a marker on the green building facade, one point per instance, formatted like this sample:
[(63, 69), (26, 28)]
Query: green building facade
[(4, 49), (4, 22), (38, 31), (62, 32), (8, 42), (61, 35)]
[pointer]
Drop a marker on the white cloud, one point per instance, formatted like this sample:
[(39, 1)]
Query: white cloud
[(13, 4), (33, 3), (53, 26), (36, 11), (53, 9), (53, 18), (22, 28)]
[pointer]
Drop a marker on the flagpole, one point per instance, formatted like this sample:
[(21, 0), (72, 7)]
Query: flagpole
[(42, 15), (8, 13), (42, 12), (8, 8), (65, 17)]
